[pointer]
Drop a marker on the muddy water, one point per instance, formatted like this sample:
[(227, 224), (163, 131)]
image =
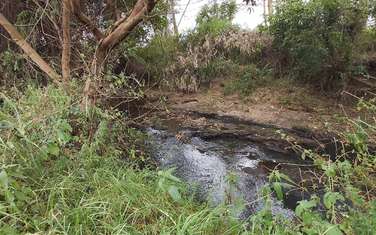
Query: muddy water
[(219, 171)]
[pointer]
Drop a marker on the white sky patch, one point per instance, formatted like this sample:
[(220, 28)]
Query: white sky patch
[(244, 18)]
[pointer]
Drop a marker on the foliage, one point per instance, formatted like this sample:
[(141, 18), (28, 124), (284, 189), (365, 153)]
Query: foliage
[(215, 57), (316, 38), (159, 53), (217, 68), (225, 10), (347, 205), (250, 78), (212, 20)]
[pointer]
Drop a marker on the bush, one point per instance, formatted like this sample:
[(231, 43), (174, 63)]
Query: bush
[(250, 78), (316, 38), (158, 54), (212, 20)]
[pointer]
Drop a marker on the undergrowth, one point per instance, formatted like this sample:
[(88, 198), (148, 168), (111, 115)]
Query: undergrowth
[(247, 80)]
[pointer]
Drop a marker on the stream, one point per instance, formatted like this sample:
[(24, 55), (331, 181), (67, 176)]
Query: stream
[(221, 170)]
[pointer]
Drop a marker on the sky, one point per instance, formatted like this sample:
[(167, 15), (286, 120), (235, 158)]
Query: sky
[(244, 18)]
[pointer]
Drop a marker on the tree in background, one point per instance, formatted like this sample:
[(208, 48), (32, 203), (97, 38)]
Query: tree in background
[(316, 39)]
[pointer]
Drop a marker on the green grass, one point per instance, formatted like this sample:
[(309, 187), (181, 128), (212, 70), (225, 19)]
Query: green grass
[(248, 79), (101, 196)]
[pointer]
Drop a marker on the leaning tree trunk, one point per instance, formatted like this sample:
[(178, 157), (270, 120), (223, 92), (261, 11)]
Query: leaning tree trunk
[(120, 30), (10, 9), (29, 51), (66, 53), (123, 28)]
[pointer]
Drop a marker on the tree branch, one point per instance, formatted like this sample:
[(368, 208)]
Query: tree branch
[(29, 51), (125, 26), (77, 11)]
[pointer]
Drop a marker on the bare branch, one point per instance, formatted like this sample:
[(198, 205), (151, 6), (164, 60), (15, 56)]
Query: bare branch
[(77, 11)]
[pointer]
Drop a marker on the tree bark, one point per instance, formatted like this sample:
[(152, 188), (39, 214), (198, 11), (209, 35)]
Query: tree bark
[(119, 33), (29, 51), (10, 9), (270, 8), (66, 53), (173, 16), (75, 6)]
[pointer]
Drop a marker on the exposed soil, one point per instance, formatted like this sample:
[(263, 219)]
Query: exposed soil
[(282, 105), (280, 117)]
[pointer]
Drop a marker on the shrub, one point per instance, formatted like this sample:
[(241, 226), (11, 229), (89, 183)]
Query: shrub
[(316, 38), (212, 20), (250, 78), (158, 54)]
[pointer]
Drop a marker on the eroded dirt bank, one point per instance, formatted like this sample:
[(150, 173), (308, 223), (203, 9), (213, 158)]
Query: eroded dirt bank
[(279, 118)]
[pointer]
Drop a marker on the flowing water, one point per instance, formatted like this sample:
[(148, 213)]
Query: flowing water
[(219, 171)]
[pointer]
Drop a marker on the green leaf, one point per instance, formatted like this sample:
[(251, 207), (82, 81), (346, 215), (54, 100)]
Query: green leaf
[(4, 180), (333, 230), (305, 206), (330, 170), (330, 198), (174, 193), (53, 149), (278, 190)]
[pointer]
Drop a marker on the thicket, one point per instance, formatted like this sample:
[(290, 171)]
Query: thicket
[(316, 40), (215, 48), (325, 43)]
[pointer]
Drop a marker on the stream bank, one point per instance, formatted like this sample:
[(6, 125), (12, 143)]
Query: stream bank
[(225, 159)]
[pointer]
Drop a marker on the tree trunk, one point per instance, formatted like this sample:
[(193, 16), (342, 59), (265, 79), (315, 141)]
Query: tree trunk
[(29, 51), (123, 28), (173, 16), (270, 8), (10, 9), (120, 30), (65, 58)]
